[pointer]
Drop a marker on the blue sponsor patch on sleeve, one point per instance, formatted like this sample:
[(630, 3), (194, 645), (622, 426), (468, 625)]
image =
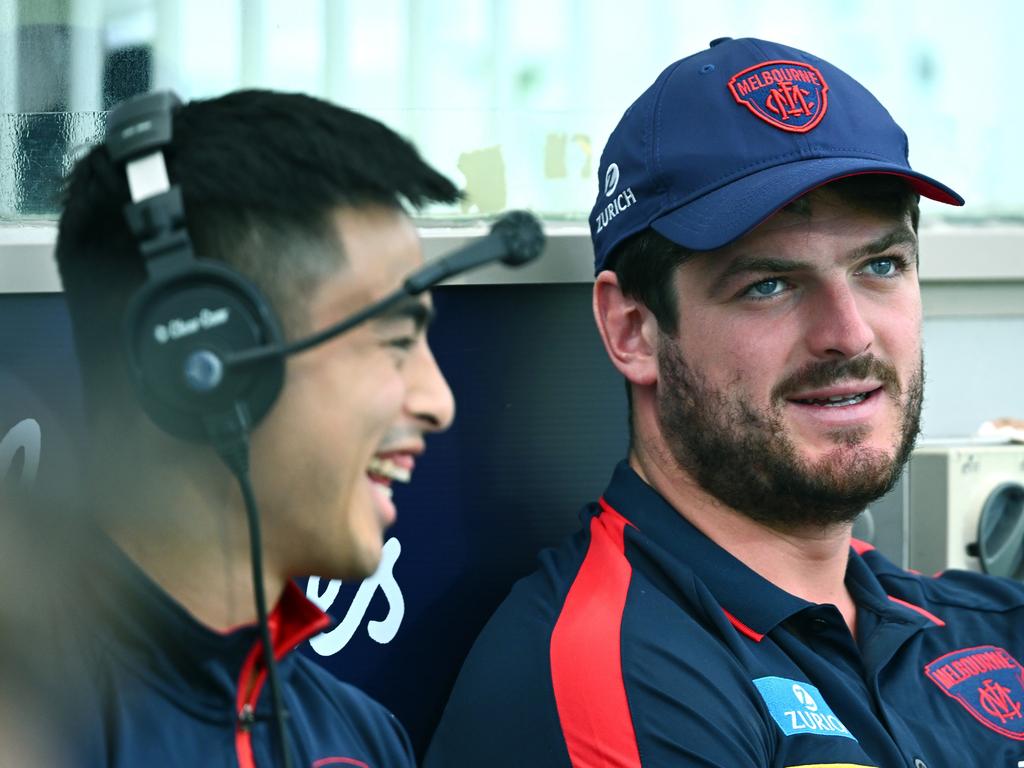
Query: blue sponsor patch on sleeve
[(799, 707)]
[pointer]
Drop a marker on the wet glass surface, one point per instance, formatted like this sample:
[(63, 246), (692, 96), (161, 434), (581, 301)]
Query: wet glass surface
[(41, 149), (513, 101)]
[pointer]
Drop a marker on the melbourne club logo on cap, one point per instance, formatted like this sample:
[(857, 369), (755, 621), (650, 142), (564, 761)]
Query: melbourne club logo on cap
[(790, 95)]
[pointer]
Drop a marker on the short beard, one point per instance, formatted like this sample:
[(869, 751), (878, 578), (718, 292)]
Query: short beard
[(747, 460)]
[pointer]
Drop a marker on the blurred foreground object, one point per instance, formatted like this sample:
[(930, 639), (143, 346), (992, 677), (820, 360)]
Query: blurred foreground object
[(31, 699)]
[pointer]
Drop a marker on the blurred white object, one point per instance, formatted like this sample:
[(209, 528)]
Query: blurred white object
[(1003, 430)]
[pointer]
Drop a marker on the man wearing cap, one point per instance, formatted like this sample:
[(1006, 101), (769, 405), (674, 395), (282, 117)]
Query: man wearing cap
[(756, 254)]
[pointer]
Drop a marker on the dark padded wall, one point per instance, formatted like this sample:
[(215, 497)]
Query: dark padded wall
[(541, 420)]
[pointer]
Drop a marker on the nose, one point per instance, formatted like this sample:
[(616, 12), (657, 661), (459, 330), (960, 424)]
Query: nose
[(429, 399), (836, 324)]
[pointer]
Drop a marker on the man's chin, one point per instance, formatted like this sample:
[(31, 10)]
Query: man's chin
[(860, 472), (846, 443), (369, 567), (357, 566), (841, 453), (827, 487), (366, 555)]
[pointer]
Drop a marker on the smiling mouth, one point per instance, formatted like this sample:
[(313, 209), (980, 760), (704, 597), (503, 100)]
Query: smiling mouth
[(383, 472), (837, 401)]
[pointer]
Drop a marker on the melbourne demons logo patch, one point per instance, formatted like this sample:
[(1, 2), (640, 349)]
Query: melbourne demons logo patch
[(790, 95), (989, 682)]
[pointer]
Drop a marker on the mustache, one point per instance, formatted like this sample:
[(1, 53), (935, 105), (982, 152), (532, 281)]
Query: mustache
[(822, 373)]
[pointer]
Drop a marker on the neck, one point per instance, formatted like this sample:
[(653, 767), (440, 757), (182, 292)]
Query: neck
[(809, 563), (194, 543)]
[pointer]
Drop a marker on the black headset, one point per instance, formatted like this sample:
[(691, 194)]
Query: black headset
[(189, 315), (185, 321)]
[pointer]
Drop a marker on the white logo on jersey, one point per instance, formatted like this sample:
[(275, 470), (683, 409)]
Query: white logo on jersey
[(806, 700)]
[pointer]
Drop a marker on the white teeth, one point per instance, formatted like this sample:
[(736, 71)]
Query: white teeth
[(390, 470), (834, 401), (844, 400)]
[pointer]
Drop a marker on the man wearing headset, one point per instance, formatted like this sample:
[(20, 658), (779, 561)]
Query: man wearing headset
[(756, 249), (304, 202)]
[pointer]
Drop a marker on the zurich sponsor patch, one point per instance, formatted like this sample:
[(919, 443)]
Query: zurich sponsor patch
[(988, 682), (616, 204), (790, 95), (799, 707)]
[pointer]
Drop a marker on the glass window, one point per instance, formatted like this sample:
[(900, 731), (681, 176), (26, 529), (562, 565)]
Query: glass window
[(513, 100)]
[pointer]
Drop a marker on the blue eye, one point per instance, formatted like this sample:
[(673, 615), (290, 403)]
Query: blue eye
[(883, 267), (766, 288)]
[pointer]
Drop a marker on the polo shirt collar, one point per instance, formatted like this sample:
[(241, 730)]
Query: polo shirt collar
[(753, 604), (150, 631), (749, 600)]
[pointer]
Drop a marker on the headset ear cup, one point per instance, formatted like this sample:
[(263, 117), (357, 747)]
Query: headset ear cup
[(202, 312)]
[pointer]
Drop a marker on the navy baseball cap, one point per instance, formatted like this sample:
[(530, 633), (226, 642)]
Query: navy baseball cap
[(726, 137)]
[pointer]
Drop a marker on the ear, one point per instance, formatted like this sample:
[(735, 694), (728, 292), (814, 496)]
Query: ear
[(628, 329)]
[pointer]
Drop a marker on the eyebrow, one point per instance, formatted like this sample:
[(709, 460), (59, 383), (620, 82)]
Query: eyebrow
[(760, 264), (409, 308), (901, 236)]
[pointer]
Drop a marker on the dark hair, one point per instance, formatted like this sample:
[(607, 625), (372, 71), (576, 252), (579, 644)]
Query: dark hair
[(645, 263), (261, 174)]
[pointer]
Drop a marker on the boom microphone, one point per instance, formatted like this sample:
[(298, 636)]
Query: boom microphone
[(515, 239)]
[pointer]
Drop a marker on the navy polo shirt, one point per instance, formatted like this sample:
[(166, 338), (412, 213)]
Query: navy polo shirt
[(146, 684), (640, 642)]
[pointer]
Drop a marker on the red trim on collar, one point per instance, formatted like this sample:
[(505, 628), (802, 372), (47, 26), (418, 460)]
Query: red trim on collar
[(927, 614), (757, 637), (294, 619), (860, 547), (298, 618), (606, 507)]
